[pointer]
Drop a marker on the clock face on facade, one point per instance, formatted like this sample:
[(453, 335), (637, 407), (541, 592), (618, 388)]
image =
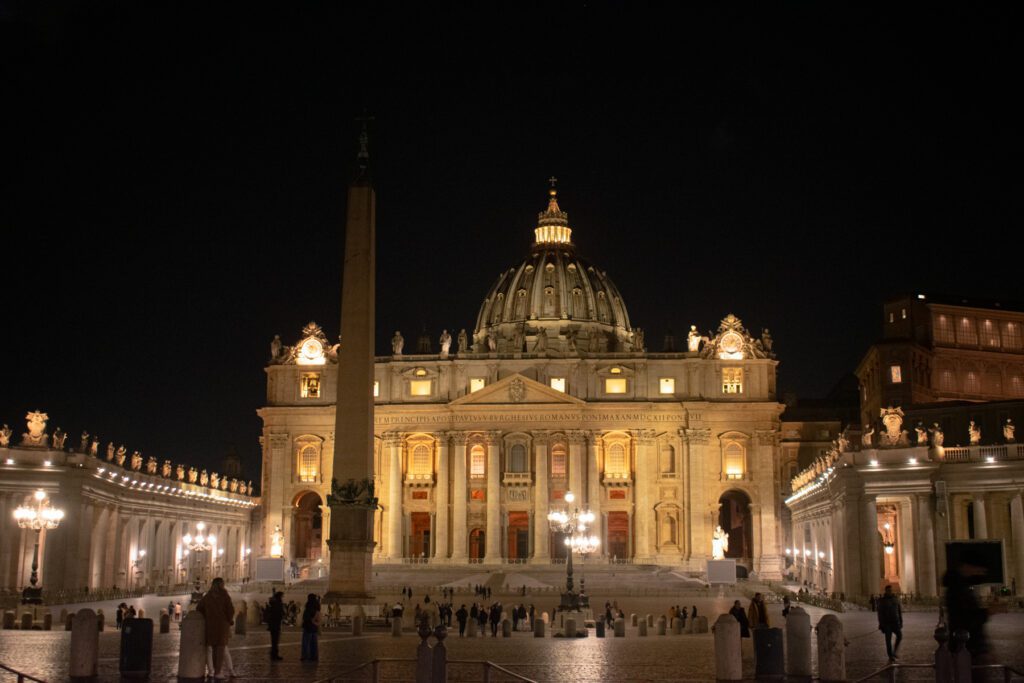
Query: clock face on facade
[(312, 350), (731, 343)]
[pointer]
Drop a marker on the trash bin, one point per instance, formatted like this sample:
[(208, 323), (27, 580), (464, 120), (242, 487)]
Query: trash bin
[(768, 653), (136, 647)]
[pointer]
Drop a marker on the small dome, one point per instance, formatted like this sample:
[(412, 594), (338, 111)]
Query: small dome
[(576, 303)]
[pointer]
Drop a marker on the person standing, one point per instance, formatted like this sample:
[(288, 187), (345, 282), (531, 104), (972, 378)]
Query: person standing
[(216, 607), (495, 619), (310, 629), (274, 615), (741, 616), (177, 611), (462, 615), (758, 612), (120, 616), (786, 606), (964, 613), (890, 621)]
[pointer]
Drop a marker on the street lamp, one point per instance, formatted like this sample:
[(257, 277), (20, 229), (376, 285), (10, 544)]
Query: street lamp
[(37, 518), (199, 543), (573, 522), (887, 540)]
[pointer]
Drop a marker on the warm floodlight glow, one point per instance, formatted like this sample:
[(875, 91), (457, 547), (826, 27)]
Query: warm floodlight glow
[(39, 495), (569, 496)]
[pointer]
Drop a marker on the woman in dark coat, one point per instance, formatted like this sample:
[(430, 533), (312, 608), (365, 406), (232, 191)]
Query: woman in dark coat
[(310, 629), (740, 615)]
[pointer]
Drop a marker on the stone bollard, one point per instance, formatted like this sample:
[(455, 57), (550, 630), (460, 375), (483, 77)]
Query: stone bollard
[(85, 646), (538, 628), (192, 648), (676, 626), (688, 626), (396, 626), (728, 658), (569, 630), (831, 650), (47, 620), (101, 619), (242, 618), (642, 628), (599, 628), (768, 653), (620, 628), (8, 620), (26, 621), (165, 622), (69, 621), (798, 644), (440, 656), (471, 627), (141, 614), (252, 615), (660, 627), (357, 625), (424, 656), (506, 628), (545, 617), (700, 624), (650, 620), (64, 616), (632, 620)]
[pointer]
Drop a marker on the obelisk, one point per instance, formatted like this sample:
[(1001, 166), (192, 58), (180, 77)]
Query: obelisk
[(352, 500)]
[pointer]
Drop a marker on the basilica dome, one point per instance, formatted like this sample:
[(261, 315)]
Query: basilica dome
[(553, 289)]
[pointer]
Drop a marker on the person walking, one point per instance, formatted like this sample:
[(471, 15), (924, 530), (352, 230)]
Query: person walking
[(120, 616), (177, 611), (758, 612), (219, 612), (310, 629), (890, 621), (741, 616), (461, 616), (515, 617), (495, 619), (274, 615)]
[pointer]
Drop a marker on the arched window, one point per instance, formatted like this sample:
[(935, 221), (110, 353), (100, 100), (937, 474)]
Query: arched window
[(733, 461), (477, 462), (517, 458), (421, 459), (558, 464), (616, 462), (309, 463), (667, 460)]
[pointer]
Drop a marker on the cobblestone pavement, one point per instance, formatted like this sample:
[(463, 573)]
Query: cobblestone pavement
[(632, 659)]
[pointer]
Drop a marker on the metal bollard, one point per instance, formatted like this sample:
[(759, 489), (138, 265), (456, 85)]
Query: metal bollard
[(538, 628), (599, 628)]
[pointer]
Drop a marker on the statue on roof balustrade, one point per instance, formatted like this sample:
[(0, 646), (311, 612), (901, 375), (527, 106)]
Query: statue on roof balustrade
[(5, 436), (463, 341), (938, 437), (974, 433), (397, 343), (1008, 431), (922, 434), (151, 465), (121, 456), (136, 461), (165, 469), (446, 343)]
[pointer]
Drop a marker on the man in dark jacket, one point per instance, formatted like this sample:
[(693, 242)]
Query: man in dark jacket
[(962, 607), (495, 618), (890, 621), (274, 615), (462, 615)]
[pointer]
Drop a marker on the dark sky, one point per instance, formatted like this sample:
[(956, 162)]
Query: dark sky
[(173, 182)]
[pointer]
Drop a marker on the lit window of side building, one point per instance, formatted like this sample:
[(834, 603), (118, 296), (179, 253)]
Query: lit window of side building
[(551, 391)]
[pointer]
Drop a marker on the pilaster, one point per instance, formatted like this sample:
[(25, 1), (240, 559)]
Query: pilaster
[(541, 536), (460, 543), (492, 554), (440, 535)]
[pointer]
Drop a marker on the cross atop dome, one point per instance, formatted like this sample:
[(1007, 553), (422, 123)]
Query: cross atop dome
[(553, 224)]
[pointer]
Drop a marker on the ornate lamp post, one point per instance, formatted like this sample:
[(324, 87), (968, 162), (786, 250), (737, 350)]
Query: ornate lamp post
[(573, 522), (37, 518), (199, 543)]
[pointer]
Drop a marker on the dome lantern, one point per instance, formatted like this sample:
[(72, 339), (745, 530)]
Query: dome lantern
[(552, 224)]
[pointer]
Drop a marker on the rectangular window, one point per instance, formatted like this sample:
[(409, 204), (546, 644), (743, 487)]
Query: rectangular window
[(558, 384), (1011, 335), (477, 494), (667, 385), (615, 385), (419, 387), (477, 463), (966, 333), (972, 382), (376, 389), (732, 380), (990, 334), (895, 374), (476, 384), (309, 385), (558, 458)]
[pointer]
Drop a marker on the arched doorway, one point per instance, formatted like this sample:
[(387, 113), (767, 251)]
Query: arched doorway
[(307, 527), (734, 517), (476, 544)]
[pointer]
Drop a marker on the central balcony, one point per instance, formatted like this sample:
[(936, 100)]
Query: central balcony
[(517, 479)]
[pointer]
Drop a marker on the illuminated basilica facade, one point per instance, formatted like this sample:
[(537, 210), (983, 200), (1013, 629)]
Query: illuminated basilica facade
[(552, 391)]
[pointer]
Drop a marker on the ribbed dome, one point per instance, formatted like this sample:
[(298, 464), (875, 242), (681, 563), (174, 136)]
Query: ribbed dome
[(575, 303)]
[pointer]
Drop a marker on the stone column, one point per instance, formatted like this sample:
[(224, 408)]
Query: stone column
[(1017, 535), (645, 468), (696, 441), (576, 445), (460, 543), (541, 536), (594, 490), (492, 554), (441, 497), (980, 523), (924, 541), (395, 532), (870, 556), (756, 535)]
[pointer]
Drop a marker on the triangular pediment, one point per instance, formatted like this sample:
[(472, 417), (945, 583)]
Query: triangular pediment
[(516, 389)]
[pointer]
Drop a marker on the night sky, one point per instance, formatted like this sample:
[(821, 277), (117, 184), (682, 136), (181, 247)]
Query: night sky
[(173, 182)]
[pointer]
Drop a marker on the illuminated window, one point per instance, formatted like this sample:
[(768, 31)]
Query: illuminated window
[(972, 382), (732, 380), (1016, 385), (734, 465), (421, 460), (309, 463), (616, 463), (558, 461), (947, 380), (478, 494), (419, 387), (477, 462), (309, 385), (476, 384), (376, 389), (895, 375), (517, 458), (616, 371), (420, 372), (615, 385), (667, 385), (1011, 335), (558, 383), (943, 326), (990, 334), (966, 333)]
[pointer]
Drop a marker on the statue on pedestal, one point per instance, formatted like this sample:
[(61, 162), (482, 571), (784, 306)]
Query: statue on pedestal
[(36, 435), (638, 339), (179, 473), (83, 443), (5, 436), (204, 478), (974, 432), (94, 447), (397, 343), (922, 434), (275, 347), (214, 481), (59, 439), (122, 455), (136, 461), (694, 339), (1008, 431), (541, 344), (110, 452), (151, 465), (193, 475), (234, 485), (866, 436), (719, 543), (446, 343), (463, 341), (165, 470), (937, 436), (766, 341)]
